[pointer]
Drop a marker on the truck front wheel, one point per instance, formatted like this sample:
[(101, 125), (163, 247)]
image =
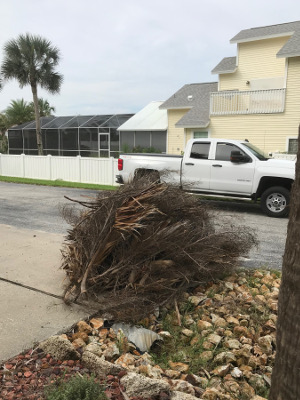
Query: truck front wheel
[(275, 201)]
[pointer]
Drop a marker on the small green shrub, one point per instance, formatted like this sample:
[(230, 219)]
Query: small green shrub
[(140, 149), (77, 388)]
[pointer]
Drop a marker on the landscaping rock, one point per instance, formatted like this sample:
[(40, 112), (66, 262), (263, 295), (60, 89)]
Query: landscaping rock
[(178, 366), (182, 396), (236, 373), (220, 323), (225, 321), (182, 386), (203, 325), (83, 326), (222, 370), (265, 343), (187, 332), (59, 348), (97, 323), (215, 394), (257, 382), (78, 344), (139, 385), (232, 344), (214, 339), (170, 373), (95, 348), (196, 300), (225, 357), (98, 365), (207, 355)]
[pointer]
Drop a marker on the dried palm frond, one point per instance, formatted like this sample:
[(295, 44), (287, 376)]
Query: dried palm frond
[(144, 245)]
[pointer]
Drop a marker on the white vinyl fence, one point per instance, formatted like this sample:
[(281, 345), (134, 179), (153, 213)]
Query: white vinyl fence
[(101, 171), (281, 156)]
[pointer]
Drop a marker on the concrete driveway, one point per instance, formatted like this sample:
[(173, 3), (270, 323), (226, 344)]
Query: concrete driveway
[(31, 286)]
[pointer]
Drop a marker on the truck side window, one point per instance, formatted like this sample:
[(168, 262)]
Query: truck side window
[(224, 150), (200, 150)]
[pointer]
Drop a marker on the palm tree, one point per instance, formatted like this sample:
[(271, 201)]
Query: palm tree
[(286, 372), (44, 107), (18, 112), (31, 60), (4, 124)]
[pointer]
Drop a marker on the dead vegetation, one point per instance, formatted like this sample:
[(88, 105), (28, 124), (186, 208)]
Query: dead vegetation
[(134, 249)]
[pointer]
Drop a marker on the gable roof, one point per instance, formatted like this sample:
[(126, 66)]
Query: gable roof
[(150, 118), (292, 29), (226, 66), (291, 48), (195, 96)]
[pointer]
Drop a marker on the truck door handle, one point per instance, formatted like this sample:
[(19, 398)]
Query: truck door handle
[(217, 165), (189, 163)]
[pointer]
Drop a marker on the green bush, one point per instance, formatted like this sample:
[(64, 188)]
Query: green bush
[(140, 149), (77, 388)]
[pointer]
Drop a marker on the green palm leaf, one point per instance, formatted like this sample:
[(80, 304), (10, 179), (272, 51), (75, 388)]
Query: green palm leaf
[(31, 60)]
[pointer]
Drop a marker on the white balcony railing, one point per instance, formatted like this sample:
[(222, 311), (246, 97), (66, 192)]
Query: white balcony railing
[(247, 102)]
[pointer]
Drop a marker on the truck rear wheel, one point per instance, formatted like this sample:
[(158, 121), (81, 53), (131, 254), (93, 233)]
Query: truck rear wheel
[(275, 201), (150, 174)]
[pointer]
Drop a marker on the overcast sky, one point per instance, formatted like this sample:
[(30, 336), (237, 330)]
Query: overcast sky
[(118, 55)]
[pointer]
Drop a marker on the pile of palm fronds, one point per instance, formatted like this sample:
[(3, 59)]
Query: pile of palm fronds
[(143, 245)]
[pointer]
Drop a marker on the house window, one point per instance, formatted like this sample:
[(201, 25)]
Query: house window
[(200, 135), (293, 146)]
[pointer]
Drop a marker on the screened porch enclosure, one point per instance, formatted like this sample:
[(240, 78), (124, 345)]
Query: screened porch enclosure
[(87, 136), (143, 141)]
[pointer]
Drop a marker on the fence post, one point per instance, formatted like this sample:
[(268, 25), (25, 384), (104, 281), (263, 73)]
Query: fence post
[(50, 166), (79, 167), (23, 165), (112, 162), (0, 164)]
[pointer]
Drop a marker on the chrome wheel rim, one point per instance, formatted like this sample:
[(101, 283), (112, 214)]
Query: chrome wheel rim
[(276, 202)]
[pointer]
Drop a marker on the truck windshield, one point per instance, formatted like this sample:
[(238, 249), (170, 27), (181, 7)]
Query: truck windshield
[(256, 151)]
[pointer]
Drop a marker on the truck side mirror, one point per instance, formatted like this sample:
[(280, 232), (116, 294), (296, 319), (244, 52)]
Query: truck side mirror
[(238, 157)]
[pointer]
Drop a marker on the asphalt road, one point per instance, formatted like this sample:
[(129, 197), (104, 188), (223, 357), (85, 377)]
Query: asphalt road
[(38, 208)]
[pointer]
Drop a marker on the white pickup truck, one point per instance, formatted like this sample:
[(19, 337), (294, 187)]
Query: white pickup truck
[(219, 167)]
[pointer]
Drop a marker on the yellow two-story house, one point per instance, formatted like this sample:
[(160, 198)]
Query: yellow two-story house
[(257, 96)]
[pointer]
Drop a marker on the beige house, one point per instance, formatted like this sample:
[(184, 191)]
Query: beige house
[(257, 96), (188, 114)]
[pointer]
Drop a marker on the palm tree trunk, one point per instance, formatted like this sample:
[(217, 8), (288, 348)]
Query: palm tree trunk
[(37, 120), (286, 372)]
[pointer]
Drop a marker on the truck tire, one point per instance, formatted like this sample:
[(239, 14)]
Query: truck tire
[(275, 201), (150, 174)]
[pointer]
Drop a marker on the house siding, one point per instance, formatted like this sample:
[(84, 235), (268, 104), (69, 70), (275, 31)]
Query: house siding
[(256, 60), (176, 141), (267, 131)]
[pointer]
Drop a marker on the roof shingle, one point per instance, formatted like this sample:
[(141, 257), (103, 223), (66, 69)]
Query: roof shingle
[(226, 66), (290, 49), (195, 96)]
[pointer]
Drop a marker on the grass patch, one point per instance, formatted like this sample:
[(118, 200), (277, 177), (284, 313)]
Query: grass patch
[(177, 347), (58, 182), (78, 387)]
